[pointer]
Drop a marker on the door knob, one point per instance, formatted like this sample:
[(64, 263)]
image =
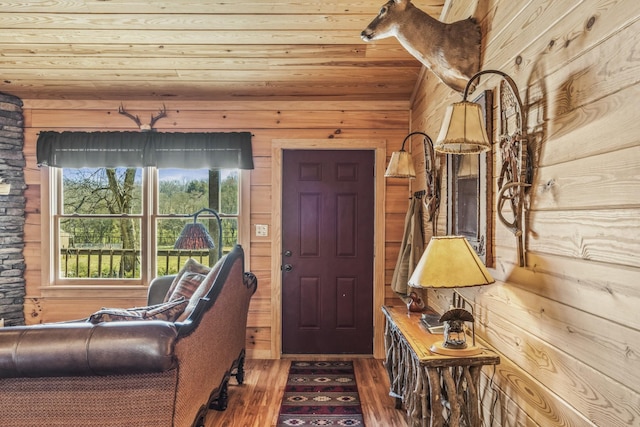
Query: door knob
[(287, 267)]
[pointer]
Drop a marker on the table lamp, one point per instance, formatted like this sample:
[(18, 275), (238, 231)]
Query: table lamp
[(451, 262)]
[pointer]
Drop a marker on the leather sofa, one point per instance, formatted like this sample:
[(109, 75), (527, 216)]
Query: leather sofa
[(146, 373)]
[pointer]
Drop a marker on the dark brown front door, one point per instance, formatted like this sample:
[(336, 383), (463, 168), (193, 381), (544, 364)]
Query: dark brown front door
[(327, 259)]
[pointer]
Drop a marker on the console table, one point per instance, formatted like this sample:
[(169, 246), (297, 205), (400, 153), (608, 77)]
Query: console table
[(435, 390)]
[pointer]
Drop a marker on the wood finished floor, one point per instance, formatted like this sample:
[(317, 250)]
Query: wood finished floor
[(256, 403)]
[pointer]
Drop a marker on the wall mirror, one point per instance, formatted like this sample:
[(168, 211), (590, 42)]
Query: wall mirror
[(469, 191)]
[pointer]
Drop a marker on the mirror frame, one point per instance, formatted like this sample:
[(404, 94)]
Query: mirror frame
[(482, 241)]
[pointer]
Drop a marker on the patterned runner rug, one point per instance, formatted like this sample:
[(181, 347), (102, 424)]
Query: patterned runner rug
[(321, 394)]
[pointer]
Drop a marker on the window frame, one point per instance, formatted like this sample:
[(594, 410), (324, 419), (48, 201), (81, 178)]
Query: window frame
[(52, 182)]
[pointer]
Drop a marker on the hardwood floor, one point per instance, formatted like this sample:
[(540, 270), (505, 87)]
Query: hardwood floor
[(256, 403)]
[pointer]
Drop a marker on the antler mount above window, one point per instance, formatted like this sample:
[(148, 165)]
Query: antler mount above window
[(144, 127)]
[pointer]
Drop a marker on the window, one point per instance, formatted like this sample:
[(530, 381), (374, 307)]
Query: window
[(121, 223), (117, 200), (183, 192)]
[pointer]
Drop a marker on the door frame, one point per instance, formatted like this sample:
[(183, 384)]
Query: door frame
[(379, 147)]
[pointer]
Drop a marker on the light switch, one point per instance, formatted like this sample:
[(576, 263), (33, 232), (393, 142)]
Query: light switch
[(262, 230)]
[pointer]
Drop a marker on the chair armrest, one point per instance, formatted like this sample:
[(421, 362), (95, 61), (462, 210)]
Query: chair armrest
[(84, 349)]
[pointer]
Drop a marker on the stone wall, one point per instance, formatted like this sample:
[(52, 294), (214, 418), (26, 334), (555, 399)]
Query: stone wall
[(12, 211)]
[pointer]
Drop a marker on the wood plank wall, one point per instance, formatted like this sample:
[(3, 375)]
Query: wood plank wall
[(267, 121), (567, 324)]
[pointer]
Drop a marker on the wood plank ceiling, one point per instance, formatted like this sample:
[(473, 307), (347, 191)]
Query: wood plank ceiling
[(201, 50)]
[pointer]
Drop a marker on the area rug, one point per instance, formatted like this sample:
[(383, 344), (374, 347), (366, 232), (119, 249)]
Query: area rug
[(321, 394)]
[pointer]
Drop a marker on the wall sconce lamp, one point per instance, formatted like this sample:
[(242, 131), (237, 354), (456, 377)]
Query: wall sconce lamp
[(463, 130), (401, 163), (401, 166), (450, 262), (195, 235)]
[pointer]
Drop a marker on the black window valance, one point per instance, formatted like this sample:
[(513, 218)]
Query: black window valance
[(216, 150)]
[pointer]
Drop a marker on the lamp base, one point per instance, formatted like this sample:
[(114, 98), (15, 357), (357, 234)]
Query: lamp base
[(439, 348)]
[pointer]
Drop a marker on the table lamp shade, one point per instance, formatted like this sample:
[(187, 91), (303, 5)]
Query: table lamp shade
[(449, 262)]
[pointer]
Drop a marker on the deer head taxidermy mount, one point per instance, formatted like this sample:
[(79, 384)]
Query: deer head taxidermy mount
[(451, 51), (146, 127)]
